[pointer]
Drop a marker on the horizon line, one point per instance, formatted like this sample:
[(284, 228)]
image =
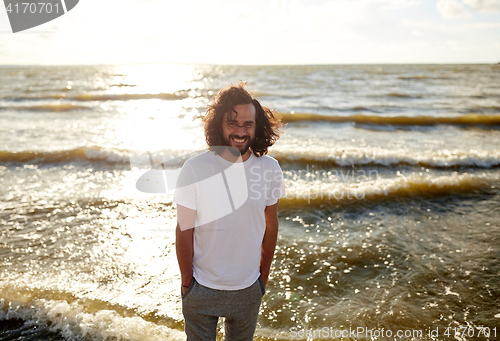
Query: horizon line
[(238, 64)]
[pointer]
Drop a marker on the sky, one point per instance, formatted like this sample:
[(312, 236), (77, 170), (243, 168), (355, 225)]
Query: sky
[(260, 32)]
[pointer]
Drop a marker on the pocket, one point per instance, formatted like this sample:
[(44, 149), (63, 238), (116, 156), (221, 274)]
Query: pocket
[(188, 290), (261, 284)]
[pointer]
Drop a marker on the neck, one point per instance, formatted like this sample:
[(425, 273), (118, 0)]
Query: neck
[(245, 156)]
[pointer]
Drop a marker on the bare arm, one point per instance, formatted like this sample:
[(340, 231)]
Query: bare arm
[(269, 241), (184, 244)]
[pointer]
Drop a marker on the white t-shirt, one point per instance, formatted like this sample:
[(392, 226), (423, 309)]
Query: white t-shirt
[(229, 199)]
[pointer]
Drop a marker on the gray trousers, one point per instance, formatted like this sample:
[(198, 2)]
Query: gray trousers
[(202, 307)]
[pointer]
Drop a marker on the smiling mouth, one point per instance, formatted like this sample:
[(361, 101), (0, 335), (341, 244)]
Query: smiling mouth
[(239, 140)]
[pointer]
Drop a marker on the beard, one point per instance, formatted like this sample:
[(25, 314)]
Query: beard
[(239, 151)]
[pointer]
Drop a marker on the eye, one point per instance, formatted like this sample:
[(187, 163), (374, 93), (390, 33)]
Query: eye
[(231, 125), (248, 125)]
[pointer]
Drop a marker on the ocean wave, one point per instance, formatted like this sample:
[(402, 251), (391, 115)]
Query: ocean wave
[(34, 98), (126, 97), (388, 157), (90, 154), (123, 85), (465, 120), (322, 156), (88, 97), (141, 159), (359, 108), (485, 108), (74, 319), (59, 107), (401, 95), (31, 90), (303, 193), (413, 77)]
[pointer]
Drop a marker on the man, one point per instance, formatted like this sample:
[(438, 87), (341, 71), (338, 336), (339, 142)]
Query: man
[(227, 220)]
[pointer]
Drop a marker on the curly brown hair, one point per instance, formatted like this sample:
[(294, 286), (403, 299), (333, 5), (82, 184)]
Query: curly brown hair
[(268, 126)]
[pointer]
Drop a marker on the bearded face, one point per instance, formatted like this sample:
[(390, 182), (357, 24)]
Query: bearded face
[(239, 128)]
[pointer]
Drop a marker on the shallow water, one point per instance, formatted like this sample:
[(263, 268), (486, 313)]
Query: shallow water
[(390, 221)]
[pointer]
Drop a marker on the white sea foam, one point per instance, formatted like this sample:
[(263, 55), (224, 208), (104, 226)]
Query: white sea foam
[(73, 322), (302, 191), (338, 156), (389, 157)]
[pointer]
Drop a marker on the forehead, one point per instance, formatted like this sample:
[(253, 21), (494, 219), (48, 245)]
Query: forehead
[(246, 112)]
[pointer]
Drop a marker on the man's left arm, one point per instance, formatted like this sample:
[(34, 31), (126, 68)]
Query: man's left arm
[(269, 241)]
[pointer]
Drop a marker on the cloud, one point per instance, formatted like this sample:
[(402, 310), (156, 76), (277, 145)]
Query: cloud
[(451, 9), (483, 5), (485, 25), (430, 28), (389, 4), (257, 32)]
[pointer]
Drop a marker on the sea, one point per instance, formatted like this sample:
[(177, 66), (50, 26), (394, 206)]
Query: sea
[(390, 229)]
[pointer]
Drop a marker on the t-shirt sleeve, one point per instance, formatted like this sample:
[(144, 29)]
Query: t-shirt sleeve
[(278, 186), (185, 189)]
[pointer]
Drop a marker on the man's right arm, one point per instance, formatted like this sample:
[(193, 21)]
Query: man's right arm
[(184, 244)]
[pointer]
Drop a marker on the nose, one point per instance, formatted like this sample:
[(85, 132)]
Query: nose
[(241, 130)]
